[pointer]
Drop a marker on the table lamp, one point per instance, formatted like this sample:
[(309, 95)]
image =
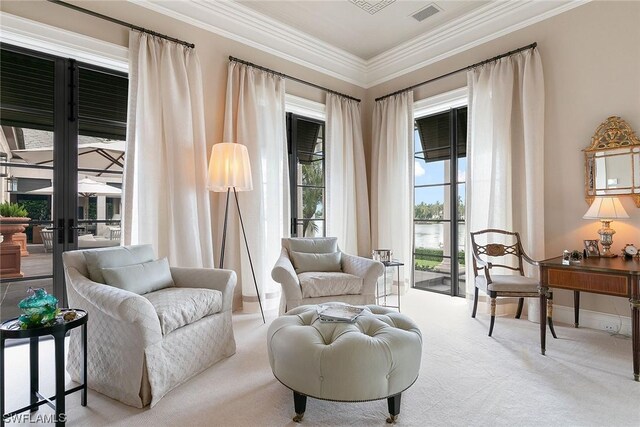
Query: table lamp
[(606, 209), (230, 169)]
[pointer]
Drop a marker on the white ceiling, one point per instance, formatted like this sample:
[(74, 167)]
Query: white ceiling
[(343, 24), (339, 39)]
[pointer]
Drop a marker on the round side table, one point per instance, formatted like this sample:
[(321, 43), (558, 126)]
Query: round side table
[(10, 329)]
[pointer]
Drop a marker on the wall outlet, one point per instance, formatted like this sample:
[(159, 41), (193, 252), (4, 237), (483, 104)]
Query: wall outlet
[(612, 327)]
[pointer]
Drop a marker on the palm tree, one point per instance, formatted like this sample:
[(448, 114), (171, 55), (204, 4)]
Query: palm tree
[(312, 174)]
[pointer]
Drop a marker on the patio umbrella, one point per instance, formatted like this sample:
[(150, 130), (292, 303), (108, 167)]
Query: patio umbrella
[(86, 188), (101, 156)]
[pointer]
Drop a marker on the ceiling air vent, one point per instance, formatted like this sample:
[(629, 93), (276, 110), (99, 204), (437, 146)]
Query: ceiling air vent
[(426, 12)]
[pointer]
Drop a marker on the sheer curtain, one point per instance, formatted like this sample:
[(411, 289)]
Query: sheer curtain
[(506, 150), (347, 209), (166, 202), (392, 177), (255, 117)]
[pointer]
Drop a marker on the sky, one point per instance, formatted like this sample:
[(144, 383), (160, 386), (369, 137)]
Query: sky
[(433, 173)]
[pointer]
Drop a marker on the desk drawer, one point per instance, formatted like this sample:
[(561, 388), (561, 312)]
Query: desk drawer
[(589, 282)]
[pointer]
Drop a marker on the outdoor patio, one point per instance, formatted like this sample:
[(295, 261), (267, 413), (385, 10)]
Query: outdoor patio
[(37, 263)]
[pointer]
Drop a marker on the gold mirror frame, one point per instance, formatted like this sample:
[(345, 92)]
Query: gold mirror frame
[(612, 134)]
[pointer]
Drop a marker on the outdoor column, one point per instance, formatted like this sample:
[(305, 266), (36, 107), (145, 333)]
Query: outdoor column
[(445, 265), (101, 214)]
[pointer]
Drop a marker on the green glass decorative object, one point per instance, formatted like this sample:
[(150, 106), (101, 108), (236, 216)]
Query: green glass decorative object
[(39, 308)]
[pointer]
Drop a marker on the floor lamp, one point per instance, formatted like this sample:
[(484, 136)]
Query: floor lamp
[(230, 170)]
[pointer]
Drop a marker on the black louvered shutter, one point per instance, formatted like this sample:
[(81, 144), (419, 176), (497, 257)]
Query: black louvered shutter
[(102, 104), (26, 91)]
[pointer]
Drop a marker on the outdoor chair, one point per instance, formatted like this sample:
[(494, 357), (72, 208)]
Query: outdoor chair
[(315, 271), (47, 239), (503, 249)]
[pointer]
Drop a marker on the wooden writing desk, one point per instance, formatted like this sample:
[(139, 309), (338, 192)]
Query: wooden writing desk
[(608, 276)]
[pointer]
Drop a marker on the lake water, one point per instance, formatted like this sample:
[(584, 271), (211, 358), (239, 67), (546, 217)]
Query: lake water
[(431, 235)]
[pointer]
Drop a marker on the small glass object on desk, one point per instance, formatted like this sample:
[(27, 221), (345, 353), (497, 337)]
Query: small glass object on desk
[(39, 309)]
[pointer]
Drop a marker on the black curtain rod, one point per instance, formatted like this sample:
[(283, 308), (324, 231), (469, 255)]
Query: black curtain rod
[(486, 61), (295, 79), (123, 23)]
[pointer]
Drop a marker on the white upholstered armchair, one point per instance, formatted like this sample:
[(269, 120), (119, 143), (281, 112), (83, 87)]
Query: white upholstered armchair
[(151, 327), (314, 271)]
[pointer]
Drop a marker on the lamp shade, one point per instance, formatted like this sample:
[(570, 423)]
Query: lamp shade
[(229, 167), (606, 208)]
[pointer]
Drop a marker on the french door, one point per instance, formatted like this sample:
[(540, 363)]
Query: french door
[(439, 202), (58, 118)]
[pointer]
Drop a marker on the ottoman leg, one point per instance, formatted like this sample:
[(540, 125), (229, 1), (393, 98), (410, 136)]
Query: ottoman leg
[(394, 408), (300, 405)]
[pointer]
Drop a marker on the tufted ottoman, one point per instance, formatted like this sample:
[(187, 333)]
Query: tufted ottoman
[(376, 357)]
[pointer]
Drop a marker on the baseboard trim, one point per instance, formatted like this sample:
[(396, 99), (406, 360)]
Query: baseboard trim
[(613, 323), (594, 320)]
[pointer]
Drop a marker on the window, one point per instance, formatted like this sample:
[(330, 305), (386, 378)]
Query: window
[(305, 141), (439, 201)]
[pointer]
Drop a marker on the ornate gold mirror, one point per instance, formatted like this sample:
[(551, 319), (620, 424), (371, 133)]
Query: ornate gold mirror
[(612, 161)]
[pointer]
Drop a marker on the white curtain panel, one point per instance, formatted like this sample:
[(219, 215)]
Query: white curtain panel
[(506, 150), (255, 117), (392, 178), (347, 210), (166, 202)]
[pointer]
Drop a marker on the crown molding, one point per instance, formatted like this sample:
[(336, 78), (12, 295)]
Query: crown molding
[(484, 24), (41, 37), (242, 24)]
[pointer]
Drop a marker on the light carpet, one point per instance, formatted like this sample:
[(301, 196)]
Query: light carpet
[(466, 379)]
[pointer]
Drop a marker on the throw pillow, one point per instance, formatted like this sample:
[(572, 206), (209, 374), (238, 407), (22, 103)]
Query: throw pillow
[(97, 259), (315, 245), (140, 278), (304, 262)]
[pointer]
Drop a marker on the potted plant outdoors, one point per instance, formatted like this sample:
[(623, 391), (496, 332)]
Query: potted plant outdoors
[(13, 220)]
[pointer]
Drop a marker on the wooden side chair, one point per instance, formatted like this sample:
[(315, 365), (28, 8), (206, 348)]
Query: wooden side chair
[(499, 246)]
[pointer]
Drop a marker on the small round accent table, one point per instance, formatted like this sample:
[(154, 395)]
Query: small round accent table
[(375, 357), (10, 329)]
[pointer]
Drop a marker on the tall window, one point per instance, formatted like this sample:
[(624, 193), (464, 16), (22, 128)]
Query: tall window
[(306, 138), (439, 193)]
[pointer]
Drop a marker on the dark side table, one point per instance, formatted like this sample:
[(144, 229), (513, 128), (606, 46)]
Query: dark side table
[(11, 330)]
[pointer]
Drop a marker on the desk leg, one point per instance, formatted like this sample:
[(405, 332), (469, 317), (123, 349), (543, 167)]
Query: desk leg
[(543, 319), (398, 288), (34, 371), (576, 308), (60, 391), (635, 337)]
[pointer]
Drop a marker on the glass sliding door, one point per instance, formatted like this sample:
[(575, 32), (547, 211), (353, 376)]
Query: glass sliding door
[(50, 118), (439, 194)]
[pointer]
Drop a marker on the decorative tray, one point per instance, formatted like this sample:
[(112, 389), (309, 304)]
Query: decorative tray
[(338, 312)]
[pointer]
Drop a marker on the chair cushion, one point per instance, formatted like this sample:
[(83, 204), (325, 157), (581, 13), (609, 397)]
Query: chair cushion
[(178, 307), (115, 257), (304, 262), (317, 245), (508, 283), (324, 284), (140, 278)]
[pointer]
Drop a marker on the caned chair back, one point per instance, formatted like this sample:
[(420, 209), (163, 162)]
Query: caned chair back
[(501, 245)]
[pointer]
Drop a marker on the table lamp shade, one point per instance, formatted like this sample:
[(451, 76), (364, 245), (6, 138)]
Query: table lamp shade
[(229, 167), (606, 208)]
